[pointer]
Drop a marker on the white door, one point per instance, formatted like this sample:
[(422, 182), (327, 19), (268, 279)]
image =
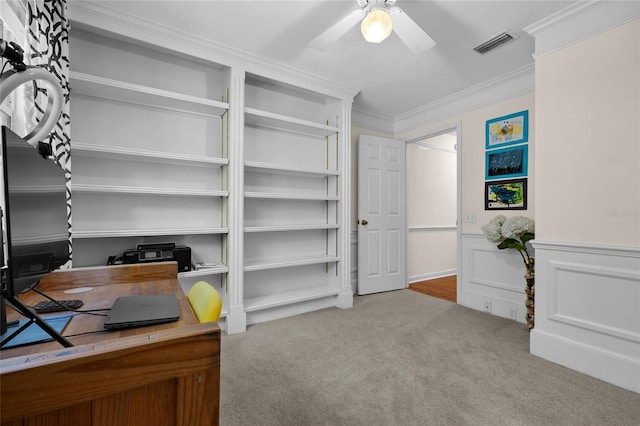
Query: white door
[(381, 215)]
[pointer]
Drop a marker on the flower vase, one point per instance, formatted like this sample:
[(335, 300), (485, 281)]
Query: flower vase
[(530, 291)]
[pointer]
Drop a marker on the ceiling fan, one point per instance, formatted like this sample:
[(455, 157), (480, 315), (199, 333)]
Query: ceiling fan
[(379, 18)]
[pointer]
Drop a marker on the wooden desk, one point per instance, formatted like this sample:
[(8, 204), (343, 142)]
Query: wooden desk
[(167, 374)]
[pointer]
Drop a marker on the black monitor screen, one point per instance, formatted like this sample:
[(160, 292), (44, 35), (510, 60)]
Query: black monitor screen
[(35, 214)]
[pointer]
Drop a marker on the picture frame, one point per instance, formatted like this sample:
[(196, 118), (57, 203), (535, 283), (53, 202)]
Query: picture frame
[(510, 194), (506, 163), (507, 130)]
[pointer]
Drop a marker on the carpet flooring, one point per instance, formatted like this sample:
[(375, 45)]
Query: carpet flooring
[(405, 358)]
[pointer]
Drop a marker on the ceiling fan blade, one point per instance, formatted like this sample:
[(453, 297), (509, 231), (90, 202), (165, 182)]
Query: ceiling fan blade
[(410, 32), (337, 30)]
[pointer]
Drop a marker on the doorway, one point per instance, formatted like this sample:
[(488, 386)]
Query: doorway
[(433, 201)]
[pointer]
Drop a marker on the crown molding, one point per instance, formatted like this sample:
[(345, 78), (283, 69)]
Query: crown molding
[(95, 15), (372, 121), (506, 86), (580, 21)]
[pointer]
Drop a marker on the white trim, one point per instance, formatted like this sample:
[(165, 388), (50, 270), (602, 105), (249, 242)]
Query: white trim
[(590, 248), (580, 21), (432, 228), (372, 121), (506, 86), (597, 362), (139, 28)]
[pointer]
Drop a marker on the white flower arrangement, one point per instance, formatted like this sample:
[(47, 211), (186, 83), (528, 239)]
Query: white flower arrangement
[(513, 233)]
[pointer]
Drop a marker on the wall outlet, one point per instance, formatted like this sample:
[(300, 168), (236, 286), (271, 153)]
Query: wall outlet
[(487, 306)]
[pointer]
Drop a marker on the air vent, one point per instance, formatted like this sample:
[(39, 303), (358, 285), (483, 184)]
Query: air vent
[(495, 41)]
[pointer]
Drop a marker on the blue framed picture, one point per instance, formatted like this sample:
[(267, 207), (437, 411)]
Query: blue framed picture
[(507, 130), (506, 162)]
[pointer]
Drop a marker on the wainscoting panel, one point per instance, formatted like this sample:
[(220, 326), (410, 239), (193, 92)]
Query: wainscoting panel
[(594, 297), (588, 310), (491, 280)]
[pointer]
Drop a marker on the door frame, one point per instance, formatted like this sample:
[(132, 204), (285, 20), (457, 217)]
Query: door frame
[(457, 127)]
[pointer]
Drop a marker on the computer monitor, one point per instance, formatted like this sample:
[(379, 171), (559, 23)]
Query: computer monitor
[(35, 220)]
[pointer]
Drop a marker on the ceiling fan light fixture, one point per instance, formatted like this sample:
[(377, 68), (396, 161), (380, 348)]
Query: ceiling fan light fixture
[(376, 26)]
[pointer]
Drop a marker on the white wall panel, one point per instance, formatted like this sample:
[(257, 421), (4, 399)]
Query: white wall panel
[(595, 297), (588, 310), (491, 280)]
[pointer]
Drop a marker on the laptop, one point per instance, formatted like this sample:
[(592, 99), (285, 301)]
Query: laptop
[(136, 311)]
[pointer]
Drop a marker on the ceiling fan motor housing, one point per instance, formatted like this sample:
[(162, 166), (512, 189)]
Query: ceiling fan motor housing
[(375, 4)]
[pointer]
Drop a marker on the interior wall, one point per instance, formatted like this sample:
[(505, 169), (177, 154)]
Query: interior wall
[(472, 150), (588, 206), (589, 114), (489, 279), (431, 208)]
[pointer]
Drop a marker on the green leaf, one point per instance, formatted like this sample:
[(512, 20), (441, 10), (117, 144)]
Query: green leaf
[(511, 243), (527, 236)]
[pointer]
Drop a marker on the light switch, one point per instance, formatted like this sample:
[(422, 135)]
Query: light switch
[(470, 217)]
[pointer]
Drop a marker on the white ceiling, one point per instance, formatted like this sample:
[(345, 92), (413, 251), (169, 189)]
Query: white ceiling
[(392, 80)]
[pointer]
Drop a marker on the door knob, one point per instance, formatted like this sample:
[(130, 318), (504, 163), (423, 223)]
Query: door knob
[(364, 221)]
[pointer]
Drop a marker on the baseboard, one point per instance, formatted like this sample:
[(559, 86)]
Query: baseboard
[(596, 362), (432, 276)]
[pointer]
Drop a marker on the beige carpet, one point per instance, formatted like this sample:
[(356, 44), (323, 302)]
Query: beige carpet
[(404, 358)]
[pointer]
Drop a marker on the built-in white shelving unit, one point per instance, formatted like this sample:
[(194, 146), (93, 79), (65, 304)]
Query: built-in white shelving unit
[(175, 140), (292, 197), (150, 153)]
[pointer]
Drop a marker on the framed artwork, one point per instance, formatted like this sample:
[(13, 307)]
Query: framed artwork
[(507, 130), (506, 162), (505, 194)]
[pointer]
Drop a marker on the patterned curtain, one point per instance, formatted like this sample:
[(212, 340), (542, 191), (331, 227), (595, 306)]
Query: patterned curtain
[(48, 37), (49, 47)]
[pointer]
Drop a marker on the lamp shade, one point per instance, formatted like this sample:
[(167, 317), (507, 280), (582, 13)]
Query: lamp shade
[(376, 26)]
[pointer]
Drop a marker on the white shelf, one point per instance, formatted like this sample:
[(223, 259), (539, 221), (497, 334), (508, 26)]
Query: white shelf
[(37, 189), (288, 263), (146, 232), (133, 190), (255, 166), (104, 88), (287, 298), (281, 196), (42, 239), (270, 120), (221, 269), (279, 228), (118, 153)]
